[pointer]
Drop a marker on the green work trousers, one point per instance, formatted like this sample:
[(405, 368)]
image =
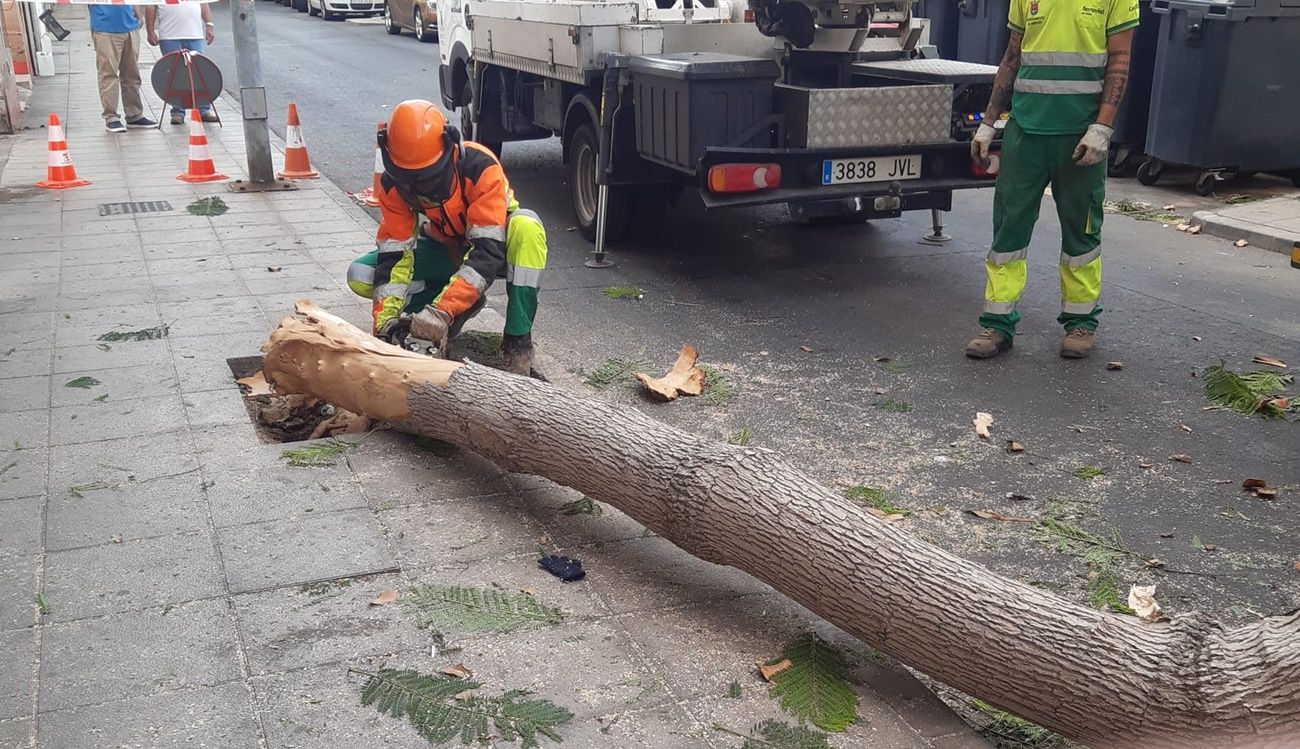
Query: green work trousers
[(435, 264), (1029, 164)]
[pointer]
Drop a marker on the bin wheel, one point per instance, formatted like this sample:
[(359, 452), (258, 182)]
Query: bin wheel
[(1149, 173), (1206, 182)]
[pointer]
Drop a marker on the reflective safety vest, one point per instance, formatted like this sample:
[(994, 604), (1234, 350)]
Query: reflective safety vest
[(1063, 60)]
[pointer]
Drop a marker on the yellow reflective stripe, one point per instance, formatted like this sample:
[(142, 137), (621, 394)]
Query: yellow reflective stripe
[(1065, 59), (1038, 86), (1078, 261)]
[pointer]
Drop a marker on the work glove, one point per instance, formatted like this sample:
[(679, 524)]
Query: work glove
[(431, 324), (568, 570), (395, 330), (1094, 146), (979, 145)]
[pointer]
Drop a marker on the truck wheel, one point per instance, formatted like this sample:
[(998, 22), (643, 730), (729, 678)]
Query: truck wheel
[(584, 192), (467, 125), (422, 33)]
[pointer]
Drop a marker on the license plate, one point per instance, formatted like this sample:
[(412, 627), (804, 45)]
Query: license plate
[(877, 169)]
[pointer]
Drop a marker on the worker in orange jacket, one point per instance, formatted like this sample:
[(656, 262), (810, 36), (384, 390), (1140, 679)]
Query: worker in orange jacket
[(450, 226)]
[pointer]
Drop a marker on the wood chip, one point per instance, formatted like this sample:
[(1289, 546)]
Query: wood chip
[(1209, 547), (1297, 566), (1281, 404), (881, 359), (256, 384), (1254, 484), (1266, 493), (1014, 447), (1196, 338), (1019, 497), (1195, 229), (1145, 466), (683, 379), (1185, 428), (468, 694), (1183, 227), (384, 598), (1181, 458), (995, 515), (1271, 361), (768, 672), (458, 671), (1114, 365), (1241, 243), (1166, 535), (982, 422), (806, 349), (274, 268), (1142, 599)]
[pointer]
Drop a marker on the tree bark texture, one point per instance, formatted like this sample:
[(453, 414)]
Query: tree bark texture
[(1102, 679)]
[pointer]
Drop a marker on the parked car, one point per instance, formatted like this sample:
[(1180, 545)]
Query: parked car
[(332, 10), (420, 16)]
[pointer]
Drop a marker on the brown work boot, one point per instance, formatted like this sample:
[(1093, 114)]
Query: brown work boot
[(988, 344), (517, 354), (1077, 343)]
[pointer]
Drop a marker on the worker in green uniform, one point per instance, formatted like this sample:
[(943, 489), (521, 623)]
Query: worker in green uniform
[(1063, 74)]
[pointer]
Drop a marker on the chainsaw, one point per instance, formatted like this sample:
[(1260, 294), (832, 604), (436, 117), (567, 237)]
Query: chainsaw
[(402, 338)]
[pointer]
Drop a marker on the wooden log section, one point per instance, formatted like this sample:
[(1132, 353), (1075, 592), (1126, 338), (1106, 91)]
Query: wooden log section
[(1102, 679)]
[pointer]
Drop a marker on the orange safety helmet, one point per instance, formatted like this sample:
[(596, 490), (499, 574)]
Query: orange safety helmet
[(417, 132), (418, 150)]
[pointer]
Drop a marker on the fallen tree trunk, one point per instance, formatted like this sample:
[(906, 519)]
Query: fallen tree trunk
[(1102, 679)]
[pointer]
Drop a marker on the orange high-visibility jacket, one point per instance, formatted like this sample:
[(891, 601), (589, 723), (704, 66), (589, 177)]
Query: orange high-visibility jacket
[(473, 219)]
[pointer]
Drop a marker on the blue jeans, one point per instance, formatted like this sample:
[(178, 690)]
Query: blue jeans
[(168, 46)]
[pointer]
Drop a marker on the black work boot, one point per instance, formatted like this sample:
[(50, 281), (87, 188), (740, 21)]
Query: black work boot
[(517, 354)]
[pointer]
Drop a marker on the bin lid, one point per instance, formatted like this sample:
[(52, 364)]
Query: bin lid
[(704, 65), (1230, 10)]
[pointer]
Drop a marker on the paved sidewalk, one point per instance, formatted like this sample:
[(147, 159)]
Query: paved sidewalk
[(194, 591), (1272, 224)]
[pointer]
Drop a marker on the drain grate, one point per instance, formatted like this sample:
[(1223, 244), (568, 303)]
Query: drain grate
[(140, 206)]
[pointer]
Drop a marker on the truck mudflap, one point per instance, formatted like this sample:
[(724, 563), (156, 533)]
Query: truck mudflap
[(903, 177)]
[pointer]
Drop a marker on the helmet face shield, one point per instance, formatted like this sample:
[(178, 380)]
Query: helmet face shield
[(431, 185)]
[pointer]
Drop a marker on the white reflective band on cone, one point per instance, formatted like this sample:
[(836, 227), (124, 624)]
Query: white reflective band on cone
[(60, 158), (199, 152), (379, 162), (293, 137), (56, 133)]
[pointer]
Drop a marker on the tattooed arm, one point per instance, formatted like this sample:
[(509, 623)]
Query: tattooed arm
[(1117, 62), (1005, 81)]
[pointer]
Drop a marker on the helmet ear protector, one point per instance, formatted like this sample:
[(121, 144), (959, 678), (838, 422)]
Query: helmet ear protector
[(430, 185)]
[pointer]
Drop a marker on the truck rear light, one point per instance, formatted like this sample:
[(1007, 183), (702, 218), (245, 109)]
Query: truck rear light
[(978, 170), (744, 177)]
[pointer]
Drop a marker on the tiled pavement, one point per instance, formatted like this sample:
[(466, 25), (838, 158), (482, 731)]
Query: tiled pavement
[(181, 566)]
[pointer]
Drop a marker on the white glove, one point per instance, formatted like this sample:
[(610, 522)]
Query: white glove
[(431, 324), (1094, 146), (979, 145)]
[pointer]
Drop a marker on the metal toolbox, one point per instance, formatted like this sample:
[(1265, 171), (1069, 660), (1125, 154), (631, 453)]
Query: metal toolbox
[(861, 117), (687, 102)]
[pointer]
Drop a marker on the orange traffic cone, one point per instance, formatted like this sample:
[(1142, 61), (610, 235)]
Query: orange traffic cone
[(201, 168), (59, 174), (296, 163), (372, 199)]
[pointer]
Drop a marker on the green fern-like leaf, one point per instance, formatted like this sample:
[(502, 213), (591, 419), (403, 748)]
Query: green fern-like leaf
[(1103, 593), (318, 454), (775, 734), (814, 687), (718, 386), (430, 703), (1248, 392), (615, 371), (624, 292), (583, 506), (444, 607)]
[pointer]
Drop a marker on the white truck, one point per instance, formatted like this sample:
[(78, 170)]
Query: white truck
[(838, 108)]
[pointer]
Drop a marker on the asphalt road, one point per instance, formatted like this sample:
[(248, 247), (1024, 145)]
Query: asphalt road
[(796, 318)]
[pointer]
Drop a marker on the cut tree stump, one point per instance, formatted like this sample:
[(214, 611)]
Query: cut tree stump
[(1103, 679)]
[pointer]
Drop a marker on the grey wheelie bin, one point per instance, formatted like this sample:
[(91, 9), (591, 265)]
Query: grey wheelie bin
[(1130, 141), (1225, 98)]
